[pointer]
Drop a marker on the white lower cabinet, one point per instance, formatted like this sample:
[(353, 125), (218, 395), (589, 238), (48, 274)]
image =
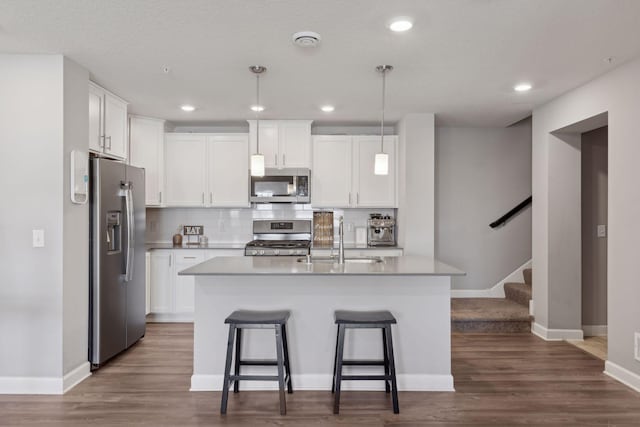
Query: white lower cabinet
[(171, 295)]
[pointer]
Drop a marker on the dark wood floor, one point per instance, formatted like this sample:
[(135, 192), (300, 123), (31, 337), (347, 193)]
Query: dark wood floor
[(500, 380)]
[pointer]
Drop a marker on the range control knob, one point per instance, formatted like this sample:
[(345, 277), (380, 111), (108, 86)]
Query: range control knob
[(254, 252), (261, 251), (292, 251), (276, 251)]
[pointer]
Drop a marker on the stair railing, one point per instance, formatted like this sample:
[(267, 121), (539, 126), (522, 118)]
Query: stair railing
[(506, 217)]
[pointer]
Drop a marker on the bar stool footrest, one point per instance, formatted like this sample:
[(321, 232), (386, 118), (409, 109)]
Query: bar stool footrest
[(258, 362), (366, 377), (360, 362), (253, 378)]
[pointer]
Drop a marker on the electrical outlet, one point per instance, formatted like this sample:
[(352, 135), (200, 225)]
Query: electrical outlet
[(601, 230), (38, 238), (636, 347)]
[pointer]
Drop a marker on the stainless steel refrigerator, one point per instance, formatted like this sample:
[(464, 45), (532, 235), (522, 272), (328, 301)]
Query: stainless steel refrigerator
[(117, 258)]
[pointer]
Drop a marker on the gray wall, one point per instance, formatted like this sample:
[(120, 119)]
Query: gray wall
[(43, 291), (594, 212), (75, 222), (31, 135), (481, 173)]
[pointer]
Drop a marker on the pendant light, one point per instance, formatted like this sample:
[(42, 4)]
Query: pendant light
[(381, 165), (257, 159)]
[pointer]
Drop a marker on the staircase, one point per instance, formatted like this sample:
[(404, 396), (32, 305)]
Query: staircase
[(495, 315)]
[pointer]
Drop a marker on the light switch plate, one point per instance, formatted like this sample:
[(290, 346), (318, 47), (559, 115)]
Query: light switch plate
[(38, 238), (636, 347), (602, 230)]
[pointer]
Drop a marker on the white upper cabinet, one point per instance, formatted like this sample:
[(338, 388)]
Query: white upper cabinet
[(107, 123), (146, 141), (331, 171), (185, 169), (343, 172), (284, 143), (374, 191), (228, 161), (96, 123), (206, 170)]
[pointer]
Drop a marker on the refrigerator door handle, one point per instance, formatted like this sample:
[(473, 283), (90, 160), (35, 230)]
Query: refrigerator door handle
[(128, 201)]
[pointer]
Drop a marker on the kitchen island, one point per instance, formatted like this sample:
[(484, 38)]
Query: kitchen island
[(415, 289)]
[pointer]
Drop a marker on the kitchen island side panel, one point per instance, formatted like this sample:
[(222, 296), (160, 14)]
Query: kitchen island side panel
[(422, 344)]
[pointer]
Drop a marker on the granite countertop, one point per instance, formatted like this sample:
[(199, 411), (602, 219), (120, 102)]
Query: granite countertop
[(353, 246), (210, 245), (285, 266)]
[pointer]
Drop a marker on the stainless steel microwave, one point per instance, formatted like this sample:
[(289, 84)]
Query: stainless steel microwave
[(288, 185)]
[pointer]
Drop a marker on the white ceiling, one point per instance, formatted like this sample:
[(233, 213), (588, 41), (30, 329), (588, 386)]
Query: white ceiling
[(460, 61)]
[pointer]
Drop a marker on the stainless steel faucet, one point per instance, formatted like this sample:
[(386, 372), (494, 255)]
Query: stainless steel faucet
[(341, 241)]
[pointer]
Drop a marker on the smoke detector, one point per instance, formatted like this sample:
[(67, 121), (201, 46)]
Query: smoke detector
[(306, 39)]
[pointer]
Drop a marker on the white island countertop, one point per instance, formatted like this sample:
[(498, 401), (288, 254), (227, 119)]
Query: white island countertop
[(286, 265)]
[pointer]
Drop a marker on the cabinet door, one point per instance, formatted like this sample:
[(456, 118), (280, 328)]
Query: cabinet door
[(228, 171), (146, 139), (184, 285), (331, 171), (268, 141), (295, 143), (161, 281), (374, 191), (115, 126), (96, 117), (185, 169)]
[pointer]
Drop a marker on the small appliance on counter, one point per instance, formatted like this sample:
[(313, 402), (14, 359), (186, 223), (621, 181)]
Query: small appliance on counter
[(278, 238), (381, 230)]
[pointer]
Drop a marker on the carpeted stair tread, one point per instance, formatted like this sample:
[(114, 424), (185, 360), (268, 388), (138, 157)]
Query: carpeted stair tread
[(527, 276), (518, 292), (487, 309), (489, 315)]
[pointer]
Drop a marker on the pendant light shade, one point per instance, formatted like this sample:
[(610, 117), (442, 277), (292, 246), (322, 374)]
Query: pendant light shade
[(257, 159), (381, 164), (257, 165)]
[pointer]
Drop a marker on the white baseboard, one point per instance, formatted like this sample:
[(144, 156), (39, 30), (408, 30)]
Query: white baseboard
[(76, 376), (594, 330), (625, 376), (44, 385), (323, 382), (556, 334), (497, 290), (170, 317)]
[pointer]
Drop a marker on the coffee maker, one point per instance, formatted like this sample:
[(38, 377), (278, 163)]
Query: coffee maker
[(381, 230)]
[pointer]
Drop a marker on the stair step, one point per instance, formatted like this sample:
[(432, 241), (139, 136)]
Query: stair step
[(527, 276), (489, 315), (518, 292)]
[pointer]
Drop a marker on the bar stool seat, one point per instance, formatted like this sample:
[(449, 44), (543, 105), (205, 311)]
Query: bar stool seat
[(249, 319), (365, 320), (252, 317)]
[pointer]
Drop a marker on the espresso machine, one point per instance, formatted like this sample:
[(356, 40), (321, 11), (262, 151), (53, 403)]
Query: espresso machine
[(381, 230)]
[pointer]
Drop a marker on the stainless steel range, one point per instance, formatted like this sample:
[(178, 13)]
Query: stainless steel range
[(280, 238)]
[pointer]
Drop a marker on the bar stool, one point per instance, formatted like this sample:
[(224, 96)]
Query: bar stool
[(246, 319), (365, 320)]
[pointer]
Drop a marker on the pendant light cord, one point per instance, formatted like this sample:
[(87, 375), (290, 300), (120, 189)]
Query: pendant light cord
[(257, 113), (384, 79)]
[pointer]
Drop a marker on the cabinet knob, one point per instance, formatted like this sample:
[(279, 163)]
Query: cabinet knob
[(284, 163), (275, 156)]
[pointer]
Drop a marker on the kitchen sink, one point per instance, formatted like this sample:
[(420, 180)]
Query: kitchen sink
[(334, 260)]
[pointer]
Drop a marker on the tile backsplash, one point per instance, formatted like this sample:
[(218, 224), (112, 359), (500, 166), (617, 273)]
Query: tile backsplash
[(234, 225)]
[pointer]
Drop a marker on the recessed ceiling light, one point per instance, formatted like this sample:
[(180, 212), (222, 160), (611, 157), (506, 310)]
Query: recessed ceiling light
[(257, 108), (522, 87), (401, 24), (327, 108), (188, 108)]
